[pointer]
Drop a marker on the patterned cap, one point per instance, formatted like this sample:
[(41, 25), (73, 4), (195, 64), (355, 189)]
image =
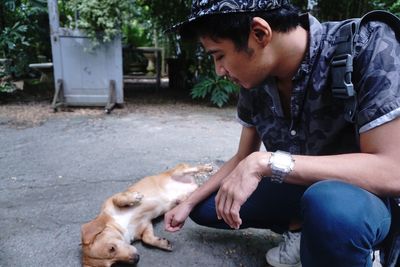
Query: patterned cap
[(201, 8)]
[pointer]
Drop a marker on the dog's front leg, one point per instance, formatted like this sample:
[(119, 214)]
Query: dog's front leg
[(149, 238), (127, 199)]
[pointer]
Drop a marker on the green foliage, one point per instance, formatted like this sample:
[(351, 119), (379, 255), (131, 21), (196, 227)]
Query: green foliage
[(166, 13), (342, 9), (101, 20), (219, 89), (14, 41), (395, 8), (162, 15), (23, 35), (139, 30), (134, 33), (9, 4), (12, 37), (302, 4)]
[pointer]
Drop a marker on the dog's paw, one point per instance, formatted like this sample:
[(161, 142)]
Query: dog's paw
[(137, 196), (206, 167), (127, 199), (135, 199), (165, 244)]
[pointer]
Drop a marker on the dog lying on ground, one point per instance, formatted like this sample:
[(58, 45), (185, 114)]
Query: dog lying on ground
[(128, 215)]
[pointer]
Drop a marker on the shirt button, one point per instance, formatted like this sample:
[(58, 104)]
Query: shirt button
[(293, 132)]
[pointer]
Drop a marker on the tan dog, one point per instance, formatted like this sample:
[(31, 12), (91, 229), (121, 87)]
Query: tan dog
[(127, 216)]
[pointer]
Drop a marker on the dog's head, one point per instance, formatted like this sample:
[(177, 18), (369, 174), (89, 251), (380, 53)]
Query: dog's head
[(103, 244)]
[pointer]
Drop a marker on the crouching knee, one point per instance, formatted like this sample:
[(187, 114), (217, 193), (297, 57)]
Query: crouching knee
[(341, 219), (205, 214), (334, 207)]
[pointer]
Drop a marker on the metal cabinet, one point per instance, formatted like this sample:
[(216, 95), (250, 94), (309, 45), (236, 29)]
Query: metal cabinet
[(84, 76)]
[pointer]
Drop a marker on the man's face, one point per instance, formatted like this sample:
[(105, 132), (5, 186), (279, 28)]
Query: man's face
[(244, 67)]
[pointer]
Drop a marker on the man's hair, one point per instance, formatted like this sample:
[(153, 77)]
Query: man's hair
[(236, 26)]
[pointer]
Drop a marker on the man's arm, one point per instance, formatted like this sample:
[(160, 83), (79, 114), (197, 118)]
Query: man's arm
[(376, 168), (249, 143)]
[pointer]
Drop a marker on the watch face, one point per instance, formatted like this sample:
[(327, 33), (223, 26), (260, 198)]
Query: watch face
[(281, 161)]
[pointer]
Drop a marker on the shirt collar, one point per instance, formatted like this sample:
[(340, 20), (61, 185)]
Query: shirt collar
[(314, 29)]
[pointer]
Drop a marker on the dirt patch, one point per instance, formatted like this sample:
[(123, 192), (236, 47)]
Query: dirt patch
[(25, 110), (25, 115)]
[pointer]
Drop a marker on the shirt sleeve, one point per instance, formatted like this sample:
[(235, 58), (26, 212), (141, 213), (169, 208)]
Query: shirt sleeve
[(245, 108), (378, 78)]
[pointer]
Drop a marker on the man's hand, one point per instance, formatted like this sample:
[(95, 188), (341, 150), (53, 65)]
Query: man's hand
[(175, 218), (236, 188)]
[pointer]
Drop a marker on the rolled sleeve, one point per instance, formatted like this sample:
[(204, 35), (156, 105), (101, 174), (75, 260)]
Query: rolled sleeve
[(379, 80)]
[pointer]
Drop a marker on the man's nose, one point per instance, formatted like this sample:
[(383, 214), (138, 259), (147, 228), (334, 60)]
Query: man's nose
[(220, 70)]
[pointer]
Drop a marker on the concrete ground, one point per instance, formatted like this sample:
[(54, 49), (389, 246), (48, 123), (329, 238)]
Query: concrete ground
[(56, 169)]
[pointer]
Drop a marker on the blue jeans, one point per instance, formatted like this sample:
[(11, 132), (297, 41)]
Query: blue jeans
[(342, 223)]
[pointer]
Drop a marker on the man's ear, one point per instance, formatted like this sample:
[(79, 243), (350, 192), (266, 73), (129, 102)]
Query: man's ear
[(261, 31)]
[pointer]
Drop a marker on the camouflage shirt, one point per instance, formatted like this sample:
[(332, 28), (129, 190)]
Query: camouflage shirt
[(317, 125)]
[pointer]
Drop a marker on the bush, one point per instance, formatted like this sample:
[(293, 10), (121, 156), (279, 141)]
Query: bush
[(219, 89)]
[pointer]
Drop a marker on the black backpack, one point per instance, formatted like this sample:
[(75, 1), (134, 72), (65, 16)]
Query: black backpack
[(343, 88)]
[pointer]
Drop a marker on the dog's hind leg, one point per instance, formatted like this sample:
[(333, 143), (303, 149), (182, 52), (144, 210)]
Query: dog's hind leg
[(127, 199), (149, 238)]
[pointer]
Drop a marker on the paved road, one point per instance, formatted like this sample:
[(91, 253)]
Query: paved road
[(54, 175)]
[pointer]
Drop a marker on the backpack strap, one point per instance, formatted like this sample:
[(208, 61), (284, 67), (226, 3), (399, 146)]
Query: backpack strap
[(342, 60), (342, 68)]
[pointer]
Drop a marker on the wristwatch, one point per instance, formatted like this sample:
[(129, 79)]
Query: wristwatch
[(281, 164)]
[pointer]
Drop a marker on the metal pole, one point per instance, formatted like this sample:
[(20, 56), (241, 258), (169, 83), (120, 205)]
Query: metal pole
[(53, 16)]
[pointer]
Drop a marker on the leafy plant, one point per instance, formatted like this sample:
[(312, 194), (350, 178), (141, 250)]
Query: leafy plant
[(101, 20), (219, 89), (13, 42)]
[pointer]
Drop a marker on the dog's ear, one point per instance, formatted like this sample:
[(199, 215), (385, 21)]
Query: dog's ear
[(91, 229)]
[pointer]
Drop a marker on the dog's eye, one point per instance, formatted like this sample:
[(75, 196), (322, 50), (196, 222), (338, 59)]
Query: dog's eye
[(112, 249)]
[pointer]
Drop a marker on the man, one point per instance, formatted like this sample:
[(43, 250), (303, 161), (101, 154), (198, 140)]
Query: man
[(323, 179)]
